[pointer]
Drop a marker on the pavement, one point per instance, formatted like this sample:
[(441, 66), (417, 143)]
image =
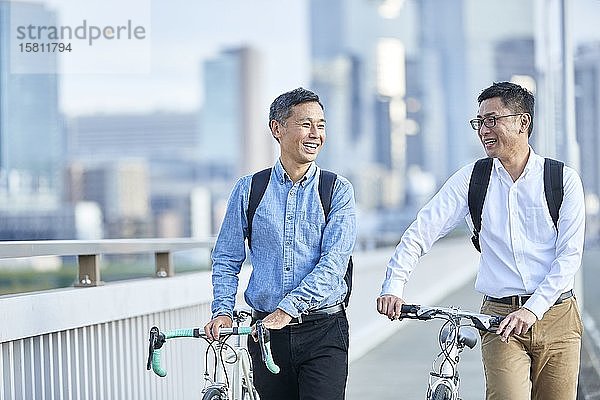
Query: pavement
[(589, 374)]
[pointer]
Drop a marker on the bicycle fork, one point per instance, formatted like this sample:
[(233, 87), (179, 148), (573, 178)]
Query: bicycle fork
[(446, 381)]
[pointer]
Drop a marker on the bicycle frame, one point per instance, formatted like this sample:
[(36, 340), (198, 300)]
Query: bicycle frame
[(241, 381)]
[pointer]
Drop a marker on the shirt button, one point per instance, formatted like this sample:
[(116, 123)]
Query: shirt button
[(289, 217), (287, 268), (288, 242)]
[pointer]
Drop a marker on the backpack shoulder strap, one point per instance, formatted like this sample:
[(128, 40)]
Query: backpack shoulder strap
[(260, 181), (326, 183), (480, 178), (553, 187)]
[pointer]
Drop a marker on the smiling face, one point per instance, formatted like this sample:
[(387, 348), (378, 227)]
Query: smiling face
[(302, 134), (508, 139)]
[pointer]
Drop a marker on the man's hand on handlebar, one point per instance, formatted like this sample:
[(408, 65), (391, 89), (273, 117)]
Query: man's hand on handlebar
[(212, 328), (390, 306), (517, 322), (277, 319)]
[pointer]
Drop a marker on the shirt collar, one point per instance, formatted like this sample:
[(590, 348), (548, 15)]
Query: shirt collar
[(282, 176), (534, 162)]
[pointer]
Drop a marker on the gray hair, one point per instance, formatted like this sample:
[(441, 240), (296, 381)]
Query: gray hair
[(281, 108)]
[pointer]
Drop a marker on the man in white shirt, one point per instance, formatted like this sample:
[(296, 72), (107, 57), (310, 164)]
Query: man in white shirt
[(527, 266)]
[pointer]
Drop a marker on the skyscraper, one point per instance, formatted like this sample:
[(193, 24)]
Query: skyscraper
[(235, 136), (31, 127)]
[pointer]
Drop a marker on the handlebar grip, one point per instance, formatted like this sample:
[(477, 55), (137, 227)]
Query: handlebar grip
[(158, 370), (179, 333), (244, 330), (271, 366), (409, 308)]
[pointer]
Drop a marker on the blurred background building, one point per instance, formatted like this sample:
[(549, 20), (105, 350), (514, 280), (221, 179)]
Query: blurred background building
[(156, 155), (32, 140)]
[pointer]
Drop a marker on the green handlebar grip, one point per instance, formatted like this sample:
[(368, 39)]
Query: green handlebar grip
[(271, 366), (179, 333), (244, 330), (158, 370)]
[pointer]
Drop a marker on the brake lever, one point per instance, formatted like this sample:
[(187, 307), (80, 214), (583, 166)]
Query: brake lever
[(157, 340), (490, 325), (264, 339)]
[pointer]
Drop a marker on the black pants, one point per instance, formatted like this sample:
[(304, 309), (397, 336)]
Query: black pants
[(313, 357)]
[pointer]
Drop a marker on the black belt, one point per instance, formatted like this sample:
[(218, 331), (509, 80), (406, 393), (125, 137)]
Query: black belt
[(519, 300), (310, 316)]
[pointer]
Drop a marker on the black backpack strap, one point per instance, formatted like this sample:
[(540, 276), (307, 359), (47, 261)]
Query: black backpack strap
[(326, 183), (260, 181), (480, 178), (553, 187)]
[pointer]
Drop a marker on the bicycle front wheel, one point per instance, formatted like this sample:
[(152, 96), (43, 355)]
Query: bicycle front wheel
[(213, 394), (442, 392)]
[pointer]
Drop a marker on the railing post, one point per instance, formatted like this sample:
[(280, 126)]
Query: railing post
[(164, 264), (89, 270)]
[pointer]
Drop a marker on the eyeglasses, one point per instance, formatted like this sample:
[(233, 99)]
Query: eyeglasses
[(490, 122)]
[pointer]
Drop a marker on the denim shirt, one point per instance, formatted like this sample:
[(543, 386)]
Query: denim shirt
[(299, 260)]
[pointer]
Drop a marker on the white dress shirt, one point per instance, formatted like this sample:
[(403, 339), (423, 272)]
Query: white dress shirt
[(521, 251)]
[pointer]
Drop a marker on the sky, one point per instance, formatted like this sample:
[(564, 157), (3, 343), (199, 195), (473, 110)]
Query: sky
[(181, 34)]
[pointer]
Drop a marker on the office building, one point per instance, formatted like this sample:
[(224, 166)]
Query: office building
[(31, 127), (121, 190), (158, 135), (235, 136)]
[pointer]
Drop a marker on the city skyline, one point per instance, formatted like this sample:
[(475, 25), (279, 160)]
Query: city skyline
[(183, 36), (192, 33), (397, 90)]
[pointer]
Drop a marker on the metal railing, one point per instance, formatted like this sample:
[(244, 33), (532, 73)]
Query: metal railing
[(75, 343), (88, 252)]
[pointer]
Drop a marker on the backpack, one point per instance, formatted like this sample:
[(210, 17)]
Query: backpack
[(260, 180), (480, 178)]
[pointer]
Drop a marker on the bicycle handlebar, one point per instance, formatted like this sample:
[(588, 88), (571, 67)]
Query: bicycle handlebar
[(157, 339), (482, 322)]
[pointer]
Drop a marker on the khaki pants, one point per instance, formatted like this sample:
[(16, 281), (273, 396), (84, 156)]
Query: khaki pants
[(542, 364)]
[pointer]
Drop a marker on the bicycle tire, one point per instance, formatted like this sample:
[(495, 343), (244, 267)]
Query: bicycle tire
[(442, 392), (213, 394)]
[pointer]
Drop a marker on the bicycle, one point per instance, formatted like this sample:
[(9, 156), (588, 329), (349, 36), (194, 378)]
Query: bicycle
[(444, 378), (218, 386)]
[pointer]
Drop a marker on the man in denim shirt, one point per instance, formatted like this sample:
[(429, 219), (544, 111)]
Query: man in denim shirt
[(299, 260)]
